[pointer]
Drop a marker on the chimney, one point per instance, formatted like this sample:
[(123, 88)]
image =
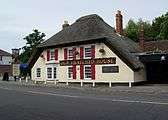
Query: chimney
[(119, 23), (141, 37), (65, 24)]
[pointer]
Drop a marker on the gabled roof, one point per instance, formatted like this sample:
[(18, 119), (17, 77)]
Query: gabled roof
[(4, 53), (93, 28)]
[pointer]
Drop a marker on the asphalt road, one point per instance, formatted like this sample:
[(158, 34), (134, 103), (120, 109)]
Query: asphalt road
[(39, 103)]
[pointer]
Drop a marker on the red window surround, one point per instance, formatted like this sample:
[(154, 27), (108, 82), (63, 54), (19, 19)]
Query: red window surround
[(74, 66), (48, 55), (81, 65), (65, 53), (93, 65), (56, 54)]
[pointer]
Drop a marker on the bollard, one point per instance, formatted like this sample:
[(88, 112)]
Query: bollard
[(81, 83), (26, 79), (93, 84), (130, 84), (66, 83), (20, 79), (55, 82), (109, 84)]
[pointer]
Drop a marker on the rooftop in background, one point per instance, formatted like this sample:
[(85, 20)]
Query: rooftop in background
[(4, 53), (156, 46)]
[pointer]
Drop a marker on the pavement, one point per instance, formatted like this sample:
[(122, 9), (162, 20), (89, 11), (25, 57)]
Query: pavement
[(101, 88)]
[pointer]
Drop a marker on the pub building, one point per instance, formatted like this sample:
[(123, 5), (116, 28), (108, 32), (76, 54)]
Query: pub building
[(89, 51)]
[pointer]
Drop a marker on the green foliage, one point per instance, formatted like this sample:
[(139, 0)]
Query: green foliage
[(159, 27), (32, 40), (158, 30), (132, 29)]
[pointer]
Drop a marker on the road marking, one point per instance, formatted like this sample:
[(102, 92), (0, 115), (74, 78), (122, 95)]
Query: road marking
[(84, 97)]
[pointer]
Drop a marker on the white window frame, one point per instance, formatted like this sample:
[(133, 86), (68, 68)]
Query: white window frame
[(68, 72), (38, 73), (90, 52), (90, 72), (69, 57), (55, 73), (52, 72), (52, 54), (47, 73)]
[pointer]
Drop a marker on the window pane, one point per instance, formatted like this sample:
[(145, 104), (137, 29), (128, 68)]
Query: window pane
[(88, 52), (55, 72), (49, 72), (52, 54), (87, 72), (70, 54), (38, 72), (70, 72)]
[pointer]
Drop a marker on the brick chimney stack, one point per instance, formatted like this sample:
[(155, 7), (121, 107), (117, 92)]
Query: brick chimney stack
[(119, 23), (141, 37), (65, 24)]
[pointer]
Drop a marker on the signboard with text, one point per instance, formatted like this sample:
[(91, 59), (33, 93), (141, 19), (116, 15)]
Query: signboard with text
[(16, 69), (98, 61)]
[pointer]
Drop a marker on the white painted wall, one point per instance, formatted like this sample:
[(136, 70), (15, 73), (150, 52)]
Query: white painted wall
[(40, 63), (125, 74)]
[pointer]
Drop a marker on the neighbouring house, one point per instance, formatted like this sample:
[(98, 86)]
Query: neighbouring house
[(5, 63), (154, 56), (89, 50)]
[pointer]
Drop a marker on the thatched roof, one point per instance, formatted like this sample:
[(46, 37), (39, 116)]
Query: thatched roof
[(92, 28)]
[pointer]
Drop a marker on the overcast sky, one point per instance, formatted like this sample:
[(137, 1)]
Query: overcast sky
[(19, 17)]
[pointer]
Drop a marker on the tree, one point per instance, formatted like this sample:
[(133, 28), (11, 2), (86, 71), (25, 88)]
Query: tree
[(160, 27), (132, 29), (32, 40)]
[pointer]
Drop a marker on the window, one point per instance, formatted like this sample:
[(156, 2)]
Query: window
[(110, 69), (38, 72), (49, 72), (52, 54), (70, 72), (70, 53), (88, 52), (55, 73), (88, 72)]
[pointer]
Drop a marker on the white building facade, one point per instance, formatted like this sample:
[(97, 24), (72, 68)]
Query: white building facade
[(84, 63)]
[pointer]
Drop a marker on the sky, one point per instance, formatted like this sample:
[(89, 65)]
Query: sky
[(19, 17)]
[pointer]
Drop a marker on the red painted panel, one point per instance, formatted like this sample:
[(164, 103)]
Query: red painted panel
[(65, 53), (74, 53), (56, 54), (81, 66), (74, 71), (48, 55), (81, 53), (93, 71), (93, 65), (93, 51)]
